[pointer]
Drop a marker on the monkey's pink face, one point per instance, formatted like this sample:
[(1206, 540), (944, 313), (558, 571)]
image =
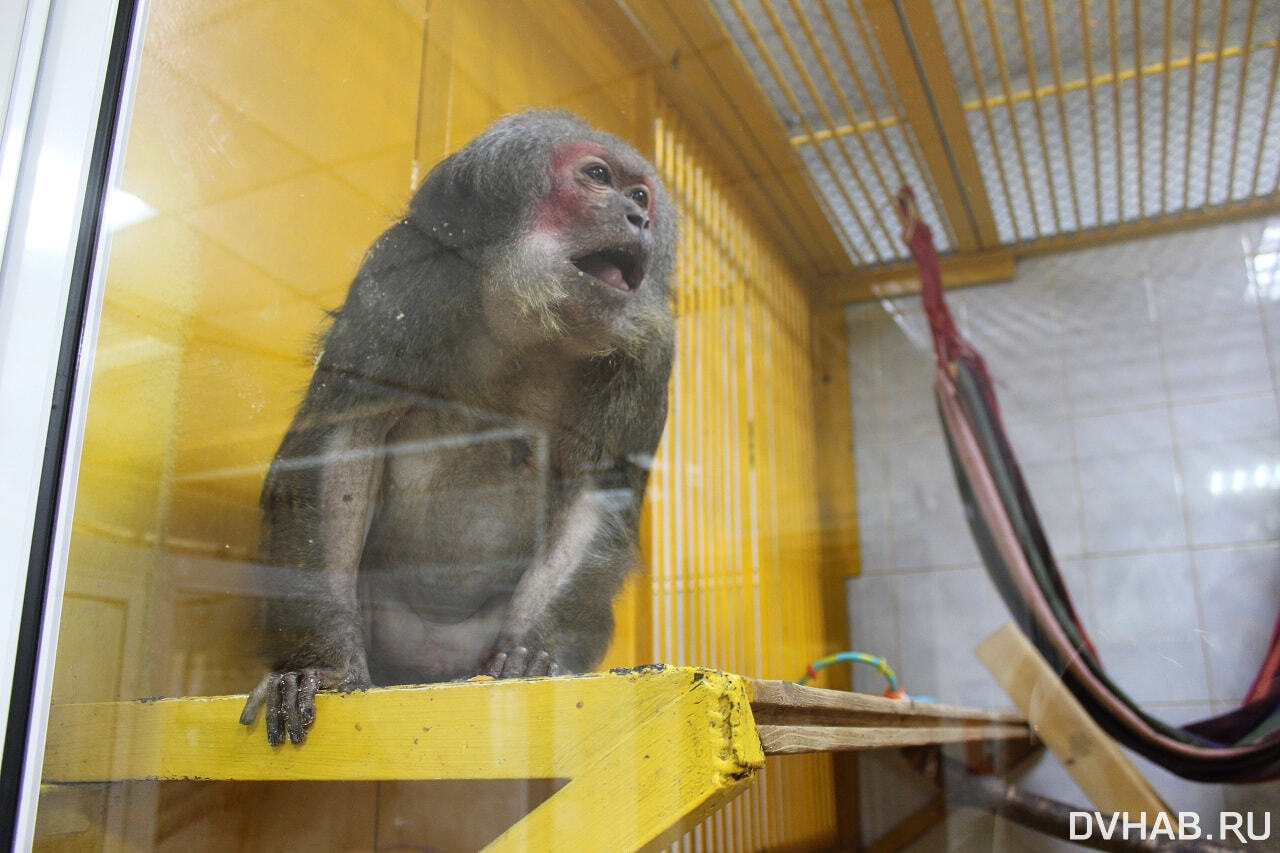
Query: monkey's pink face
[(601, 209)]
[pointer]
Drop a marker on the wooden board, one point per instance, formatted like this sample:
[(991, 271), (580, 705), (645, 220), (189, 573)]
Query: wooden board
[(1098, 765), (795, 719), (790, 740)]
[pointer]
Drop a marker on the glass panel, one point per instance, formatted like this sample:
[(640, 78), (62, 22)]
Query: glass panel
[(462, 426)]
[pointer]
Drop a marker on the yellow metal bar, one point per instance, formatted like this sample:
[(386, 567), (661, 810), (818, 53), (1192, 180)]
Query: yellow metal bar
[(1191, 100), (1113, 37), (876, 123), (834, 472), (1051, 32), (794, 104), (1087, 39), (686, 522), (1024, 36), (836, 87), (976, 69), (1213, 108), (1151, 70), (1244, 79), (710, 622), (1164, 109), (1007, 86), (1267, 104), (1137, 106), (845, 129)]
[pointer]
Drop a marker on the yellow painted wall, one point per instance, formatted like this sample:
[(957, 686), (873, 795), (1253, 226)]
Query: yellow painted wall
[(274, 140)]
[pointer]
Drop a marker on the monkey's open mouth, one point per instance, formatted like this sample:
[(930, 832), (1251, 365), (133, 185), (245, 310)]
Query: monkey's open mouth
[(618, 269)]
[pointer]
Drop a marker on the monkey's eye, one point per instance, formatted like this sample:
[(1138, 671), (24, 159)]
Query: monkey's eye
[(640, 196), (599, 173)]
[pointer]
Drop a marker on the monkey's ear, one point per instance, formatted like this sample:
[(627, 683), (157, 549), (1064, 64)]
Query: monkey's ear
[(461, 207)]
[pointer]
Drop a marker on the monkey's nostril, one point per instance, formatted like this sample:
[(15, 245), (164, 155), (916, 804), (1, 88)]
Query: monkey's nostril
[(638, 220)]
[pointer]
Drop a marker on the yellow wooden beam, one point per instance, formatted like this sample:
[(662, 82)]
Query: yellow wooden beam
[(540, 728), (673, 744), (912, 46), (987, 267), (655, 782), (656, 748), (901, 279)]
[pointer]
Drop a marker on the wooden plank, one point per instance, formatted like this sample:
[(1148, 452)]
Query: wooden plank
[(911, 44), (792, 740), (1098, 765), (982, 267), (801, 702)]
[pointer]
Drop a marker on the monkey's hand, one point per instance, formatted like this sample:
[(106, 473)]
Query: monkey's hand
[(514, 661), (290, 698)]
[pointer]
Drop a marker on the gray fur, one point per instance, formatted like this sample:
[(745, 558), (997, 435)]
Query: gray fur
[(460, 489)]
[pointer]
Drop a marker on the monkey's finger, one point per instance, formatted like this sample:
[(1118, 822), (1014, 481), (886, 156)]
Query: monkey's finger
[(275, 714), (289, 702), (517, 661), (554, 669), (494, 669), (254, 703), (540, 665), (307, 686)]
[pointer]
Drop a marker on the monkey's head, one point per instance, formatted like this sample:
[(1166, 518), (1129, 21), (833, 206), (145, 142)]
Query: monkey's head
[(569, 230)]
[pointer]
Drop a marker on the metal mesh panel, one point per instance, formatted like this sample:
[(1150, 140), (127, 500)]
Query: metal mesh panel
[(1081, 114)]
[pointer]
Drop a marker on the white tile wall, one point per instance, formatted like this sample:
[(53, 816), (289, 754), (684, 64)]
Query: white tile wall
[(1140, 386)]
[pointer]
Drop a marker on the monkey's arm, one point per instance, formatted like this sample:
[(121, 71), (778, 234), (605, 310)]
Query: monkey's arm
[(560, 618), (319, 503), (561, 615)]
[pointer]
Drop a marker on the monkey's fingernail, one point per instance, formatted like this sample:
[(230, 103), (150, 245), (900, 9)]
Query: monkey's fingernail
[(495, 665), (517, 662)]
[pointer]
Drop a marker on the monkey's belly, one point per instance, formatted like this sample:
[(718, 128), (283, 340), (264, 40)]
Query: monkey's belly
[(455, 528), (405, 645)]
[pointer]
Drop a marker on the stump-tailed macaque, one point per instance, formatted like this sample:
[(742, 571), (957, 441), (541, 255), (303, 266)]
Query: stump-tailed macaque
[(459, 491)]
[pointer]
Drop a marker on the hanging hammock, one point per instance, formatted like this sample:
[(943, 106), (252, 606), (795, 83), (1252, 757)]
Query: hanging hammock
[(1240, 746)]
